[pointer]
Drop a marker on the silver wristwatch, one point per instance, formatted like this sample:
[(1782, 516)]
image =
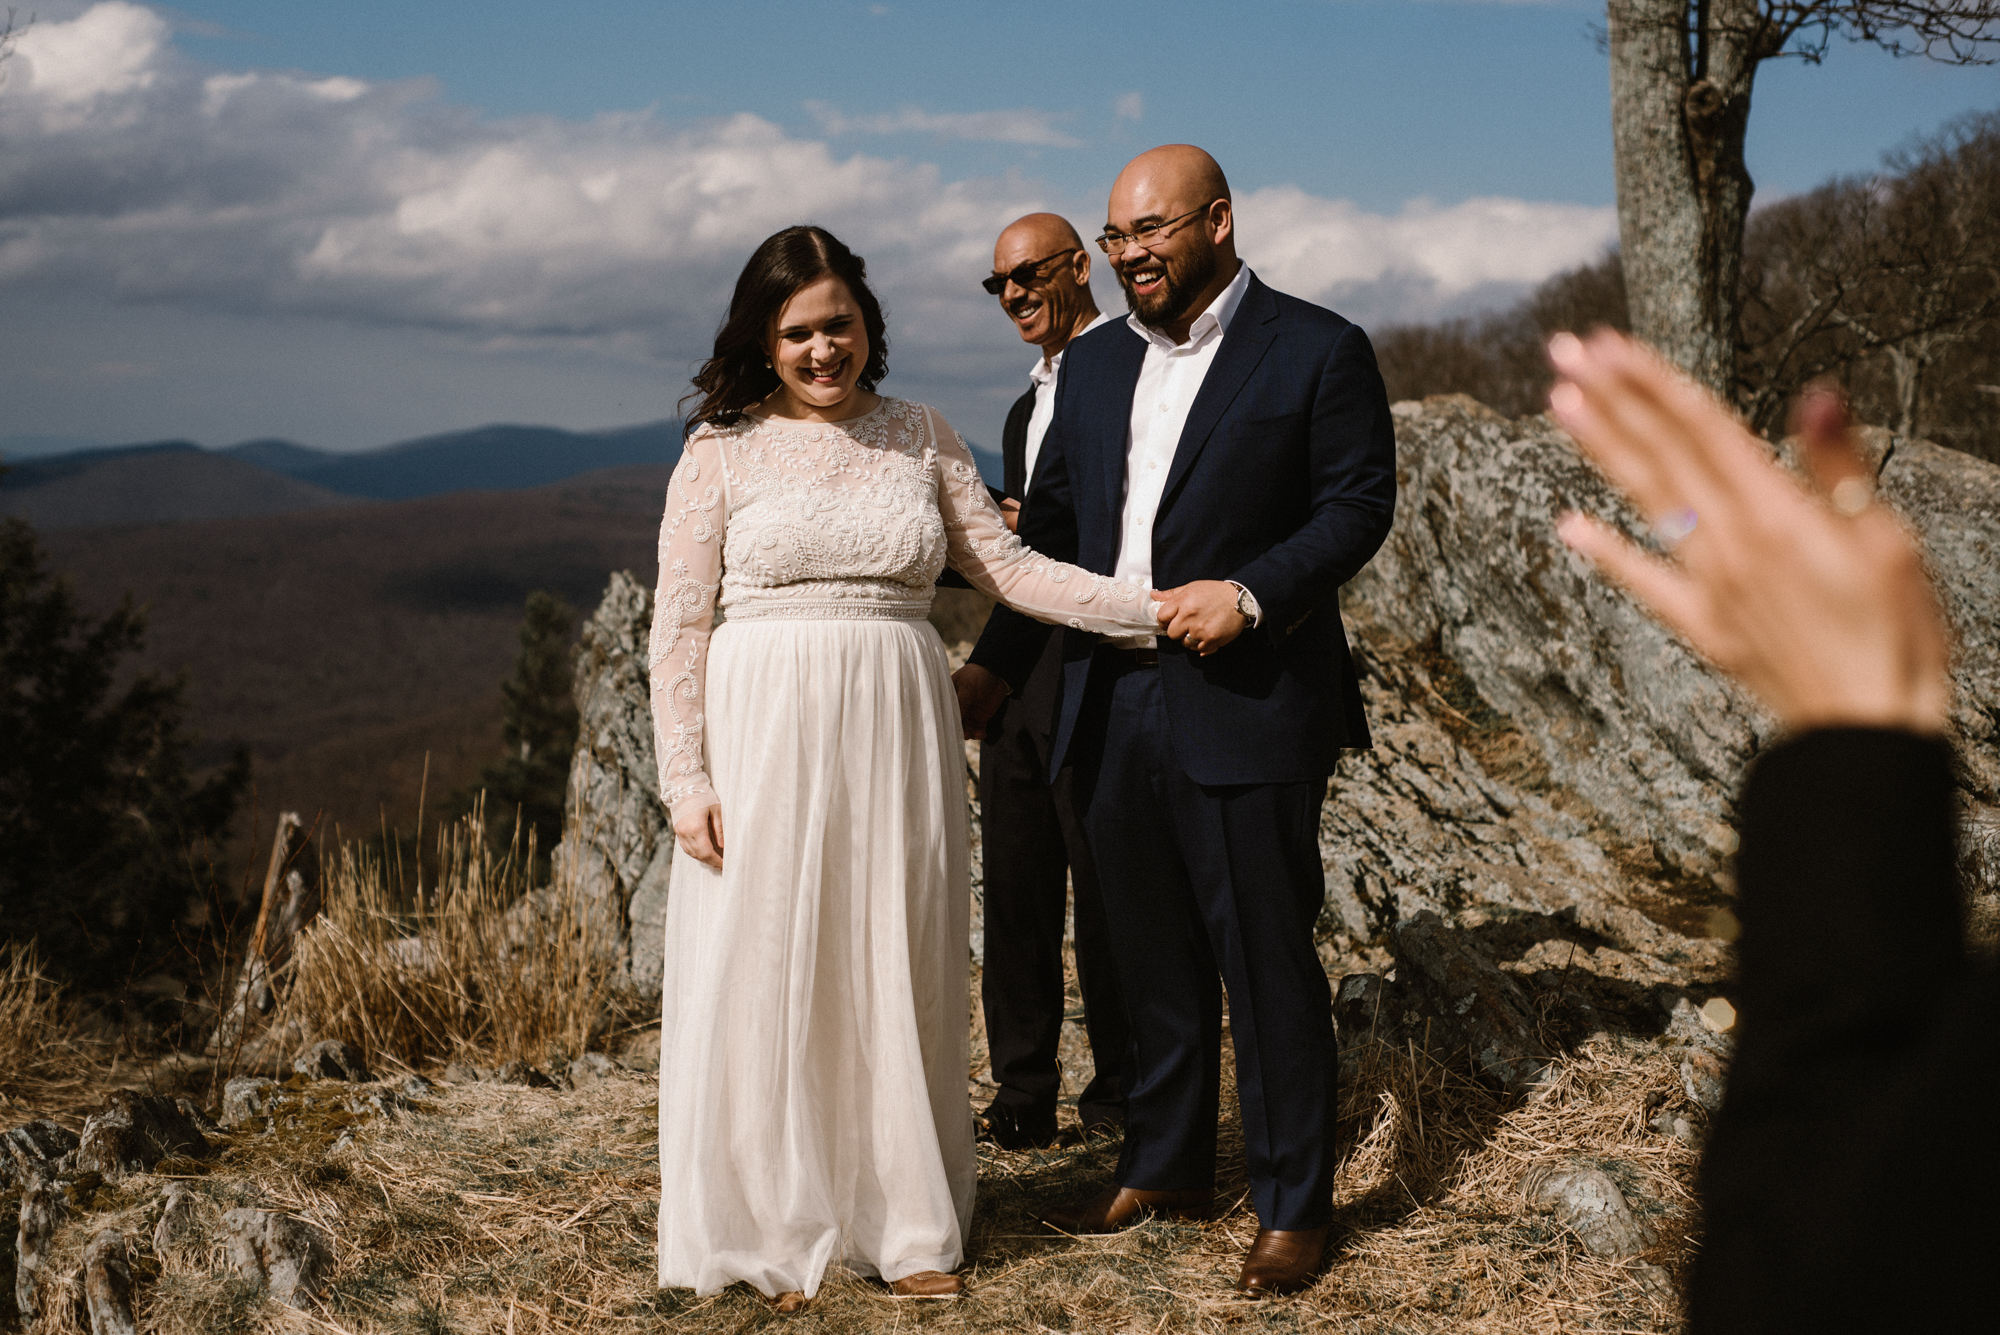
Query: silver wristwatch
[(1246, 604)]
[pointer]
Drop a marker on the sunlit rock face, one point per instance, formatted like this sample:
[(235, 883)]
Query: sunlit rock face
[(1539, 737), (618, 840)]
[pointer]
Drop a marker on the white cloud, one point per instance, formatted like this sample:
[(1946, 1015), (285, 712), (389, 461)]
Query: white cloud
[(1024, 125), (107, 50), (1426, 258), (130, 174), (1129, 106)]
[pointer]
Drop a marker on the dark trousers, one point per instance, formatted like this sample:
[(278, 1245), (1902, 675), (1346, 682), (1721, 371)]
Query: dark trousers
[(1201, 882), (1032, 838)]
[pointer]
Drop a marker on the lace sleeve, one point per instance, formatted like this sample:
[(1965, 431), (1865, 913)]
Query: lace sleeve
[(683, 615), (996, 563)]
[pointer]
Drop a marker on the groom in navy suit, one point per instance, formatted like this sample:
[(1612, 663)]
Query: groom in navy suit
[(1232, 447)]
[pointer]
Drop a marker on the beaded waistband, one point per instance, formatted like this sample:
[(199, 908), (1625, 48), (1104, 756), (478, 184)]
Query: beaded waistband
[(830, 609)]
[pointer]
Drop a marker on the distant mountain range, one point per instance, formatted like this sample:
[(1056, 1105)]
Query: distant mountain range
[(174, 481)]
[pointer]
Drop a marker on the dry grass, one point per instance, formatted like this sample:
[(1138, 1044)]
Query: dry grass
[(41, 1049), (477, 962), (520, 1212)]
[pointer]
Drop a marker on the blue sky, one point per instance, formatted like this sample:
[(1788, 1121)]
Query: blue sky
[(351, 224)]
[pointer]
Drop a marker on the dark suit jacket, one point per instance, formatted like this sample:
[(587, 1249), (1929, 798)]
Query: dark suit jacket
[(1284, 480), (1014, 445)]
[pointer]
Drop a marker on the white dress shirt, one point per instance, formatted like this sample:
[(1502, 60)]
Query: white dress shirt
[(1043, 376), (1169, 378)]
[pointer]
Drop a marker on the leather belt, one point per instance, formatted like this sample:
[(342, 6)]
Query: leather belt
[(1146, 657)]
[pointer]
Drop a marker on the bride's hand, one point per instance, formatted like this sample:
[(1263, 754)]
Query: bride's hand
[(699, 833)]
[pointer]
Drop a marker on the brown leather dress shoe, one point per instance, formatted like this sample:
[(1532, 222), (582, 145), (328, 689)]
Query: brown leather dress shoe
[(927, 1284), (1116, 1208), (1282, 1261)]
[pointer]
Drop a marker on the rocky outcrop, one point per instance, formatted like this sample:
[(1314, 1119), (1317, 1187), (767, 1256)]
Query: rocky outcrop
[(107, 1285), (33, 1150), (1587, 1201), (617, 846), (134, 1131), (331, 1059), (1628, 724), (283, 1253)]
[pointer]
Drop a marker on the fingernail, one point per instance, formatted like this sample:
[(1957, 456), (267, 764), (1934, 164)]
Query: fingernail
[(1565, 347), (1565, 398)]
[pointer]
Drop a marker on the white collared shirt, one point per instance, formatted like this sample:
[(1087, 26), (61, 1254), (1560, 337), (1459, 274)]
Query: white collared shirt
[(1169, 378), (1043, 377)]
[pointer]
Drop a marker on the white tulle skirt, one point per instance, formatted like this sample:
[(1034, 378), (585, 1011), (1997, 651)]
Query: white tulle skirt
[(813, 1101)]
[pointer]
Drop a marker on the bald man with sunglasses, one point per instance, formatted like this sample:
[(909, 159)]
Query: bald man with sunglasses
[(1033, 845)]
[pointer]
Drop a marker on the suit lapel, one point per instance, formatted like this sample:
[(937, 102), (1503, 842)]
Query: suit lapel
[(1113, 427), (1248, 338), (1014, 445)]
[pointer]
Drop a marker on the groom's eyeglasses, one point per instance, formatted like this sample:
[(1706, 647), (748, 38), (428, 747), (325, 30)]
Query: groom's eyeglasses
[(1021, 274), (1114, 243)]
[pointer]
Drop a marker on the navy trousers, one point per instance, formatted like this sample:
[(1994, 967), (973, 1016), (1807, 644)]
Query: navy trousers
[(1034, 849), (1205, 888)]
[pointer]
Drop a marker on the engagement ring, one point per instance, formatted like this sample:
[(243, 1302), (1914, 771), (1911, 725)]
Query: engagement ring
[(1674, 527)]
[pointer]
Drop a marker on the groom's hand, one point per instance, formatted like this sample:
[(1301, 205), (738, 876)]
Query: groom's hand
[(979, 695), (1202, 615)]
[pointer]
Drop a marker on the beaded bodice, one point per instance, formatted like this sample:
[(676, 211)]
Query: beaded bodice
[(851, 519)]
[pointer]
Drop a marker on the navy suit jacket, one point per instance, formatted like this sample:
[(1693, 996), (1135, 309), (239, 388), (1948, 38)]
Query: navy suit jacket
[(1284, 481)]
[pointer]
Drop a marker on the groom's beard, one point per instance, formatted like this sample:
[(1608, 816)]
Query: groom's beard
[(1184, 281)]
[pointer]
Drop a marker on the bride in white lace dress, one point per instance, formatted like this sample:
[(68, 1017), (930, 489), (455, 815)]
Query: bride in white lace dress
[(813, 1099)]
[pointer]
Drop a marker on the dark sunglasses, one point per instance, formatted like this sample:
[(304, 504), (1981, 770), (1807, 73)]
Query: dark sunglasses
[(1021, 274)]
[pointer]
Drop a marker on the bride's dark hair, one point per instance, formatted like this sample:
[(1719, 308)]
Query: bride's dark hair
[(736, 376)]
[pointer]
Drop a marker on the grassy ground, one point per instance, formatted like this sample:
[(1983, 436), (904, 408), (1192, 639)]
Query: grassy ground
[(517, 1211)]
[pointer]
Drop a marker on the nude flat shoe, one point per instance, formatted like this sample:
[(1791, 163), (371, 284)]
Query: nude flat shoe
[(790, 1302), (927, 1284)]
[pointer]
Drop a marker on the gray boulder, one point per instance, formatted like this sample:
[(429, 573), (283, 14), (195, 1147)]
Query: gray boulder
[(43, 1209), (590, 1068), (246, 1098), (134, 1131), (286, 1254), (107, 1285), (178, 1227), (617, 836), (331, 1059), (1477, 1009), (1588, 1202), (33, 1150)]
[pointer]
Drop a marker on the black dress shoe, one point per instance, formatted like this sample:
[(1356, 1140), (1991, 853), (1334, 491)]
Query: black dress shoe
[(1013, 1128)]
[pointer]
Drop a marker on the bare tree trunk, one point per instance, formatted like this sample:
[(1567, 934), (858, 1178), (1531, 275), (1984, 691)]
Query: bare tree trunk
[(290, 902), (1681, 72)]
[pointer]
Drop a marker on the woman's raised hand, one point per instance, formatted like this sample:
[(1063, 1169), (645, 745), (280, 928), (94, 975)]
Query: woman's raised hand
[(1816, 600), (699, 833)]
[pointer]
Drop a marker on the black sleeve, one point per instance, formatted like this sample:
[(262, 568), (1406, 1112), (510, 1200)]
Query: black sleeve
[(1858, 1127), (1013, 643)]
